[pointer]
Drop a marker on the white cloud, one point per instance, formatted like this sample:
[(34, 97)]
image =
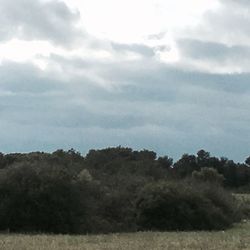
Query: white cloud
[(130, 21)]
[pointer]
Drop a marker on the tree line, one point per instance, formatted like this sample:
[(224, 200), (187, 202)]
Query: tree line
[(118, 190)]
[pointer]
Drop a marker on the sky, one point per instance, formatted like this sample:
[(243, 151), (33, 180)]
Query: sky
[(169, 76)]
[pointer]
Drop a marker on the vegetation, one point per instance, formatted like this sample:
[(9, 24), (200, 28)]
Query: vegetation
[(236, 238), (183, 206), (118, 190)]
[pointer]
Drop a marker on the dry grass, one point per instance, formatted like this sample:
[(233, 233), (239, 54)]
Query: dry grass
[(244, 203), (233, 239)]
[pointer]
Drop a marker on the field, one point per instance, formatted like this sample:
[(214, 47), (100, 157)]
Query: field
[(232, 239)]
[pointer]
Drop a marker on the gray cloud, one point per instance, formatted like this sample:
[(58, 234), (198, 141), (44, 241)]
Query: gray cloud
[(85, 103), (26, 78), (157, 36), (138, 78), (35, 19), (210, 50), (161, 108), (136, 48), (220, 42), (229, 24)]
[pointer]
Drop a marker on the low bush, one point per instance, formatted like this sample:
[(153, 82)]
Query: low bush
[(42, 199), (185, 206), (210, 175)]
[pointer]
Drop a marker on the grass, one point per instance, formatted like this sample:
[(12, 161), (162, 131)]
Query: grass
[(244, 202), (243, 197), (233, 239)]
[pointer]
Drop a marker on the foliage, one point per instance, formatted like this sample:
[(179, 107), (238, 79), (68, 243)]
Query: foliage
[(65, 192), (210, 175), (41, 198), (185, 206)]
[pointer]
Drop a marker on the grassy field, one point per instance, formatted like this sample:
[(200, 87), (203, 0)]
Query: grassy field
[(233, 239)]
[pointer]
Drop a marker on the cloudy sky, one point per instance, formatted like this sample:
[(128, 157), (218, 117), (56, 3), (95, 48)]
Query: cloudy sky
[(170, 76)]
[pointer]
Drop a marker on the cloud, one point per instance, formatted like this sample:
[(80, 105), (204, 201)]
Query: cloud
[(108, 93), (140, 49), (227, 24), (39, 20), (157, 36), (219, 43), (242, 3), (210, 50), (215, 57), (26, 78), (163, 108)]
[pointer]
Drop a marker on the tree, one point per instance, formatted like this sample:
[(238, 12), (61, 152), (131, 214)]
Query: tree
[(165, 162), (203, 158), (247, 161), (186, 165)]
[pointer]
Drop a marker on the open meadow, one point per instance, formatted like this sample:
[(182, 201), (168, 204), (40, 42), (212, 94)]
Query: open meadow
[(232, 239)]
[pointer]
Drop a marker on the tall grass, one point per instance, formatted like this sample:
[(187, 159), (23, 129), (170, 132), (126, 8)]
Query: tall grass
[(233, 239)]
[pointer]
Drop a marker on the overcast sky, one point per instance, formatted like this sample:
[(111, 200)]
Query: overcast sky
[(170, 76)]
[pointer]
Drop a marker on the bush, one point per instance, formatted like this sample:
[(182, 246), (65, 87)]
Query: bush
[(185, 206), (41, 199), (208, 175)]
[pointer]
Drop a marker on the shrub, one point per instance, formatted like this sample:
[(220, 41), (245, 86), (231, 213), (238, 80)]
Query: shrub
[(185, 206), (41, 199), (208, 175)]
